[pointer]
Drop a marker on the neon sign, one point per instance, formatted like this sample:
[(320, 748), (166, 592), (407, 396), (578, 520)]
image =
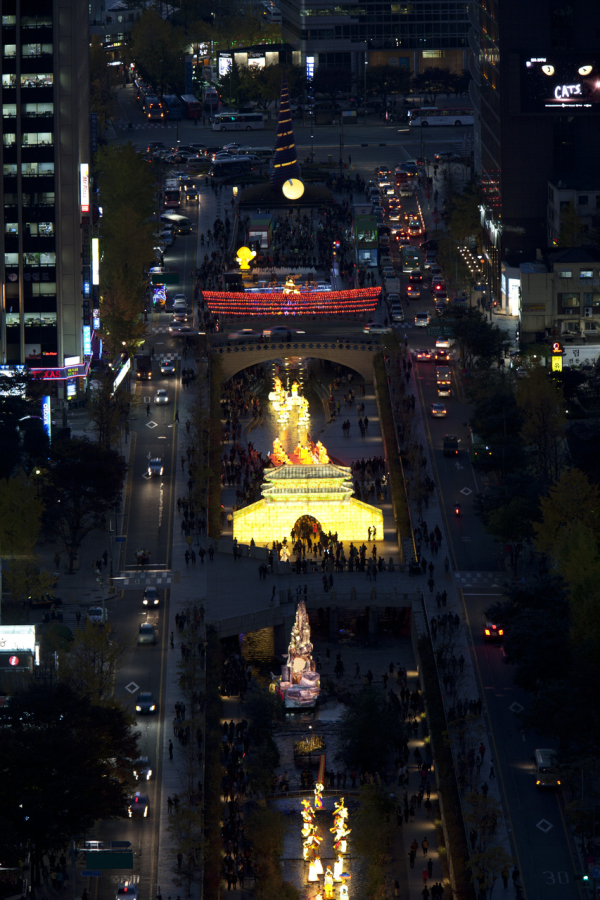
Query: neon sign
[(564, 91), (84, 184)]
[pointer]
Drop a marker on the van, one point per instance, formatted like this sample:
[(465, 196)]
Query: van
[(546, 773), (450, 445), (181, 224)]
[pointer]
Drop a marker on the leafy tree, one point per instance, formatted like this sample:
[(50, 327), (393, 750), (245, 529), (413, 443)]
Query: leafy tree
[(83, 484), (263, 85), (571, 227), (91, 662), (431, 82), (103, 80), (20, 516), (236, 87), (571, 499), (543, 427), (487, 866), (459, 82), (465, 221), (372, 834), (107, 410), (369, 730), (186, 830), (62, 759), (480, 342), (24, 578), (332, 82), (266, 830), (385, 80), (297, 82), (158, 49)]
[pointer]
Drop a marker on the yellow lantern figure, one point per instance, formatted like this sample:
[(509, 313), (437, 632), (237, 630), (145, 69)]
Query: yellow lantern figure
[(319, 788), (293, 189), (328, 883), (244, 255)]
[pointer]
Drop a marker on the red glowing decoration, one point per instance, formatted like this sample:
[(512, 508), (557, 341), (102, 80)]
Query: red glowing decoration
[(13, 660), (307, 303)]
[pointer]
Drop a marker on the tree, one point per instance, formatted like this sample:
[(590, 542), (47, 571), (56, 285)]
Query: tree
[(571, 227), (465, 220), (107, 410), (24, 577), (481, 343), (332, 82), (369, 729), (84, 483), (432, 82), (103, 80), (266, 830), (20, 516), (263, 86), (543, 427), (459, 83), (372, 834), (235, 86), (385, 80), (63, 760), (91, 662), (571, 499), (487, 866), (158, 49)]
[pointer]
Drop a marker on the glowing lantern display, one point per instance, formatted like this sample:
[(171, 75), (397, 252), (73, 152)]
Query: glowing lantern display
[(293, 189)]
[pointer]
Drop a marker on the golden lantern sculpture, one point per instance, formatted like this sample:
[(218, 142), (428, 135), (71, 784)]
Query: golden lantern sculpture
[(244, 255), (293, 189)]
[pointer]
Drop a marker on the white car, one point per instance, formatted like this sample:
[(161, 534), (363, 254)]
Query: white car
[(161, 397), (388, 272), (167, 367), (438, 410), (444, 343), (155, 466), (97, 616), (233, 147), (280, 331), (422, 319), (376, 328)]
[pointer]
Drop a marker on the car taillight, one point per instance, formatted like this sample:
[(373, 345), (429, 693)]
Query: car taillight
[(488, 632), (501, 631)]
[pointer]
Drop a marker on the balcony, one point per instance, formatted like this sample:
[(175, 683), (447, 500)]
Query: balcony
[(474, 41), (473, 13)]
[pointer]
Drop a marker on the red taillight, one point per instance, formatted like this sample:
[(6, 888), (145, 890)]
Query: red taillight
[(487, 632), (500, 631)]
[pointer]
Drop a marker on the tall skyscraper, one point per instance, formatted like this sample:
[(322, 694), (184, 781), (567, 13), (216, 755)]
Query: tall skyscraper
[(536, 90), (44, 191)]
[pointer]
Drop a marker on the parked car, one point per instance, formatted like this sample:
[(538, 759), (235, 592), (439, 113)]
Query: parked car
[(97, 615)]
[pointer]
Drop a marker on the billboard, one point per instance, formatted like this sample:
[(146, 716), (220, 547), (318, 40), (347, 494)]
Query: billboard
[(560, 81), (365, 229)]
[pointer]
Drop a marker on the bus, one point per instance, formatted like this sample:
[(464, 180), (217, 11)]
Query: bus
[(181, 224), (153, 108), (173, 106), (211, 98), (238, 121), (224, 169), (410, 258), (191, 106), (480, 452), (271, 13), (172, 193), (431, 115)]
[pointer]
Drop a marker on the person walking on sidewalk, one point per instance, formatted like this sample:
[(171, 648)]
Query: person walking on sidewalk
[(411, 856), (425, 846), (425, 875)]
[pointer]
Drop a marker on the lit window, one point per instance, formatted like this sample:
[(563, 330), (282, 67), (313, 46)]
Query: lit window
[(10, 50), (565, 273), (11, 260), (586, 273), (11, 227), (9, 110), (9, 81), (9, 140)]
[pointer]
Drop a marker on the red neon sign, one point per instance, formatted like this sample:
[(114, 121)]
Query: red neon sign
[(308, 303)]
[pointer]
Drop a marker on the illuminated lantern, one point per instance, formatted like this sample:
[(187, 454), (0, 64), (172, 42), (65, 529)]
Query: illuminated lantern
[(312, 872), (318, 866), (293, 189), (244, 255)]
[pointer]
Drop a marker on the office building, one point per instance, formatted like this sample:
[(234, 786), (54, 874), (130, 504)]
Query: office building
[(44, 191), (412, 35), (535, 90)]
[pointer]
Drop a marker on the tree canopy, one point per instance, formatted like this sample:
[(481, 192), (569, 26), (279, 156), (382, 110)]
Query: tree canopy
[(385, 80), (158, 49), (370, 728)]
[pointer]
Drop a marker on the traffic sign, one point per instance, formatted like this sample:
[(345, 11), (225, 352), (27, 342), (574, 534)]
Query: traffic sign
[(165, 278), (110, 859), (119, 539), (91, 873)]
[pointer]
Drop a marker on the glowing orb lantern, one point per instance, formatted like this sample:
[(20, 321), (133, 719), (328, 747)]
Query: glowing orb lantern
[(293, 188)]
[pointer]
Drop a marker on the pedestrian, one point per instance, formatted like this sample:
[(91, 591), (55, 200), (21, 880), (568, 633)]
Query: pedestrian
[(425, 893), (492, 773), (170, 805), (78, 617), (425, 846), (411, 856), (431, 584), (170, 749), (424, 876), (147, 409), (504, 875), (430, 866), (172, 642)]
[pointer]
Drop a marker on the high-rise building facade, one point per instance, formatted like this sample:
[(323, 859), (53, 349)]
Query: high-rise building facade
[(536, 90), (44, 191), (412, 35)]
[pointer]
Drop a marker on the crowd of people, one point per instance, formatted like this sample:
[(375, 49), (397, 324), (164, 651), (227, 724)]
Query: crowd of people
[(236, 865), (234, 676)]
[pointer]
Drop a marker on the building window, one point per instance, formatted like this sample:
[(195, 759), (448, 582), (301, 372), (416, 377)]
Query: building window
[(568, 303), (40, 229), (11, 228), (9, 20), (591, 299), (11, 260), (47, 259), (9, 81), (9, 140), (38, 139), (36, 80), (9, 110), (432, 54), (586, 273), (36, 21), (10, 50), (583, 200), (36, 50), (9, 169), (109, 20), (34, 169), (10, 199), (565, 273), (38, 109)]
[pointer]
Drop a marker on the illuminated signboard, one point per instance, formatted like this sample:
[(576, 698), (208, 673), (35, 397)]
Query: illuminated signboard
[(84, 184), (361, 300), (365, 231), (17, 637), (225, 63), (95, 261), (47, 416), (87, 340), (96, 319), (310, 67), (123, 372), (71, 388), (61, 374), (568, 82)]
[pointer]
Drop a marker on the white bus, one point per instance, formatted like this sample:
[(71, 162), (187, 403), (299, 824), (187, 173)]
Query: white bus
[(172, 193), (431, 115), (181, 224), (238, 121)]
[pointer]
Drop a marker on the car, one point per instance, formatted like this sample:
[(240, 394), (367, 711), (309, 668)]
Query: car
[(403, 239), (493, 632), (44, 601), (232, 147), (422, 319), (440, 295), (145, 703), (381, 170), (191, 193), (386, 260), (397, 313), (376, 328), (423, 355), (435, 271), (413, 291), (244, 333), (167, 367), (450, 445), (139, 805), (441, 355), (180, 301), (161, 398), (440, 306), (179, 329), (155, 466), (429, 261), (167, 237), (146, 633), (150, 597), (394, 214), (388, 272), (415, 277), (279, 330), (389, 190), (437, 410), (126, 891), (153, 146), (446, 342), (378, 208), (97, 615), (446, 156), (406, 190), (436, 279), (180, 315), (142, 770)]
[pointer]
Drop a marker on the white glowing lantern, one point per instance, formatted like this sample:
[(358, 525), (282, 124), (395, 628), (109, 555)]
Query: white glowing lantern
[(293, 189), (312, 872), (338, 868), (318, 866)]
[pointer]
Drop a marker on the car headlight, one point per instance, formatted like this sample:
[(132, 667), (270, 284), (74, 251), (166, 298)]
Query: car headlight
[(149, 775), (138, 709), (145, 602), (135, 774), (145, 812), (152, 708), (156, 602)]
